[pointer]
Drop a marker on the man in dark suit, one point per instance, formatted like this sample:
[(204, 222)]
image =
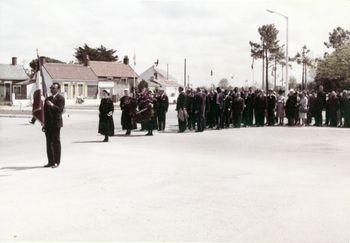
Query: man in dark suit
[(53, 109), (163, 105), (199, 109), (181, 110), (271, 107), (237, 109), (220, 108), (320, 105)]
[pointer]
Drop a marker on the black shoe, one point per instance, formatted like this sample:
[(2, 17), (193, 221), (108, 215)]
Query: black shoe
[(48, 165), (55, 165)]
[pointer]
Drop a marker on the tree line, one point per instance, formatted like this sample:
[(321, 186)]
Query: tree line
[(332, 70), (82, 53)]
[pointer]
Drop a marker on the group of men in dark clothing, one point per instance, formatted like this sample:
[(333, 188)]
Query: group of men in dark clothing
[(144, 107), (199, 109)]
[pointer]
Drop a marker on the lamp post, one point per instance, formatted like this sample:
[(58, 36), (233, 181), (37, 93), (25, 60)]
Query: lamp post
[(286, 18)]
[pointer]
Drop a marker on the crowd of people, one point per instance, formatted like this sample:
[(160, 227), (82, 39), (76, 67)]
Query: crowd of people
[(247, 107), (202, 109)]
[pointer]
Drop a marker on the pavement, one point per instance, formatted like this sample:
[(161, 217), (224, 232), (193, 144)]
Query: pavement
[(271, 184)]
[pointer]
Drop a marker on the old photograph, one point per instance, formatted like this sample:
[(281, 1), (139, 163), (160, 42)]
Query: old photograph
[(175, 121)]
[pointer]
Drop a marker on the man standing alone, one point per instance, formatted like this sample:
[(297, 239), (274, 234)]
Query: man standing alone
[(53, 109)]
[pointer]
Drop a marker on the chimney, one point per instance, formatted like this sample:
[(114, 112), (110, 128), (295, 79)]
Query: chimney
[(14, 60), (126, 60), (42, 60), (86, 60)]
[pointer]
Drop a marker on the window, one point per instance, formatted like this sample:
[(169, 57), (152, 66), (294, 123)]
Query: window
[(92, 91), (80, 90), (65, 90), (17, 89)]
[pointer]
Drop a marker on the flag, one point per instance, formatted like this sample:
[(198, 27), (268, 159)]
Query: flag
[(40, 93), (156, 63), (38, 105), (134, 58)]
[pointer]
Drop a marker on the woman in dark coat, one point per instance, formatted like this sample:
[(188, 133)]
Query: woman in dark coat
[(127, 105), (291, 107), (106, 124)]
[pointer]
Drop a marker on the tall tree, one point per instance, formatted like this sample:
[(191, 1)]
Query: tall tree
[(305, 61), (84, 53), (257, 52), (268, 45), (224, 83), (333, 71), (338, 38), (277, 57)]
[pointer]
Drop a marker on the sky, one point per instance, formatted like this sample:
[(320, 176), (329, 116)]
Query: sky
[(211, 35)]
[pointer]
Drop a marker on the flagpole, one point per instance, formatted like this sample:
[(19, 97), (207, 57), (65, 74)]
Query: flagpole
[(134, 86)]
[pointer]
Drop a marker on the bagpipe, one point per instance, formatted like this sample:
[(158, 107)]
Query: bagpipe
[(139, 116)]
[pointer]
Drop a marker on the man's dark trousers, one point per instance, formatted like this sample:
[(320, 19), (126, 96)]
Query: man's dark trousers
[(53, 145)]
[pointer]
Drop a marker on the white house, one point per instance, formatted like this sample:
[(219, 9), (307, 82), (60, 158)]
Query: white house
[(158, 78)]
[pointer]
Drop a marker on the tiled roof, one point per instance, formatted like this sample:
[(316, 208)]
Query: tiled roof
[(12, 72), (70, 72), (112, 69), (163, 73)]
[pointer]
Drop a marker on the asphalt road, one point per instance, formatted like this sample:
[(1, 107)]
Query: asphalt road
[(272, 184)]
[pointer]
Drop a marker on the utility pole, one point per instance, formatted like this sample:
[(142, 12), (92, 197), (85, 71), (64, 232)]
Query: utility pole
[(185, 73), (287, 58), (167, 71)]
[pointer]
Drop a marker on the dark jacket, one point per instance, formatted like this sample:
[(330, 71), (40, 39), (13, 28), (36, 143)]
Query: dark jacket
[(106, 124), (162, 104), (320, 101), (53, 114), (200, 101), (181, 101), (291, 106), (128, 106)]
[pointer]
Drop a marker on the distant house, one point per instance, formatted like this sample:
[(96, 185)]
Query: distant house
[(158, 78), (13, 79), (75, 80), (114, 76), (88, 80)]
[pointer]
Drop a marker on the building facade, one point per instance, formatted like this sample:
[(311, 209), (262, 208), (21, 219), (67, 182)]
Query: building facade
[(114, 76), (158, 78), (13, 80), (75, 80)]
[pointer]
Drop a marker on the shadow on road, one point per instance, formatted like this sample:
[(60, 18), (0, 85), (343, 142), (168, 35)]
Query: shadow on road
[(99, 141), (132, 135), (22, 167)]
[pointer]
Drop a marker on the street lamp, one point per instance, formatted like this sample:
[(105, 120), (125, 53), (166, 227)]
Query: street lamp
[(286, 17)]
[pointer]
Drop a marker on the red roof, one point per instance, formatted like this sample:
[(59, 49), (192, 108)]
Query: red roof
[(70, 72), (112, 69)]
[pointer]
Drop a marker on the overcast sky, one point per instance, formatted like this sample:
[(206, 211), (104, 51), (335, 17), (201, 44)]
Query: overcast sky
[(212, 35)]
